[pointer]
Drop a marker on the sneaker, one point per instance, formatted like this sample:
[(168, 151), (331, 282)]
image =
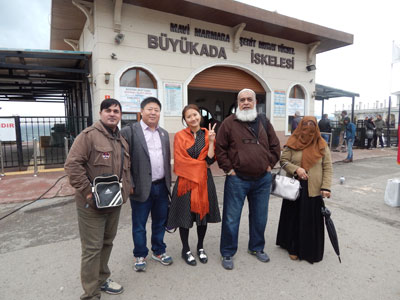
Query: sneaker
[(111, 287), (261, 255), (164, 259), (227, 262), (140, 264)]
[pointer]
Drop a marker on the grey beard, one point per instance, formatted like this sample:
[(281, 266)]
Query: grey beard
[(246, 115)]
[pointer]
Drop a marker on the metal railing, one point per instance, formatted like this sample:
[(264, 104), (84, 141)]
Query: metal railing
[(52, 134), (389, 134)]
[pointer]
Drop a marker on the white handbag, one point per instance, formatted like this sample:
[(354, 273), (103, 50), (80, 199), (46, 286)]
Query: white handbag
[(285, 187)]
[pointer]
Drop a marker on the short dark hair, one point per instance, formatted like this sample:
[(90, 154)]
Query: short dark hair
[(150, 100), (347, 119), (106, 103)]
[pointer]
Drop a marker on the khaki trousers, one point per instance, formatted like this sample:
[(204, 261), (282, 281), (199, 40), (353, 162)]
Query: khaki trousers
[(341, 140), (97, 231)]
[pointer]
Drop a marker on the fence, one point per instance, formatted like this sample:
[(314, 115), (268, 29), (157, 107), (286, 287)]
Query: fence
[(390, 137), (51, 134)]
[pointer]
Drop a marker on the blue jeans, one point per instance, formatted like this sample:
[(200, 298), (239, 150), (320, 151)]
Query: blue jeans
[(157, 204), (235, 192), (350, 143), (325, 137)]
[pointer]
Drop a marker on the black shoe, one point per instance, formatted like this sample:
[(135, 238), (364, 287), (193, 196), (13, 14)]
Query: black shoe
[(202, 256), (189, 258)]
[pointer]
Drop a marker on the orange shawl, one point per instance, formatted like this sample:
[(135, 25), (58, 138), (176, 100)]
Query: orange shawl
[(192, 172), (309, 140)]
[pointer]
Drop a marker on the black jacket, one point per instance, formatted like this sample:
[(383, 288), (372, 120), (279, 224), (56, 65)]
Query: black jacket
[(325, 125)]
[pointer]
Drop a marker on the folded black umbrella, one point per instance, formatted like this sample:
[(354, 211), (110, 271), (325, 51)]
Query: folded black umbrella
[(330, 227)]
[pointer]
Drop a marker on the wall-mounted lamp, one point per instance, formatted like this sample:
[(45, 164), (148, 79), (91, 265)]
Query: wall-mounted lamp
[(119, 38), (107, 77), (311, 68), (89, 78), (314, 93)]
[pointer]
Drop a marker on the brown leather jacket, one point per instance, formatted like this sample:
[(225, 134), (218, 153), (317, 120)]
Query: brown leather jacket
[(95, 152), (238, 148)]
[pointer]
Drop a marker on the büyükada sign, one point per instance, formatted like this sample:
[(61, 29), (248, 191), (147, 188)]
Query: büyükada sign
[(182, 45)]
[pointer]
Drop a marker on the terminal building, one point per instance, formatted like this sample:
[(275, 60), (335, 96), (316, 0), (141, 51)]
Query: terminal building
[(194, 51), (180, 51)]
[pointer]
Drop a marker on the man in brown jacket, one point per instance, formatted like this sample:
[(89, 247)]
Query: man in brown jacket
[(97, 151), (247, 148)]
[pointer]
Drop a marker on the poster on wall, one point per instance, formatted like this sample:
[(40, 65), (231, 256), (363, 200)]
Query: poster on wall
[(7, 130), (294, 105), (131, 97), (173, 99), (279, 103)]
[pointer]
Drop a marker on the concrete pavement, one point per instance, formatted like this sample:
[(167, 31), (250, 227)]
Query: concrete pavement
[(23, 186), (40, 251)]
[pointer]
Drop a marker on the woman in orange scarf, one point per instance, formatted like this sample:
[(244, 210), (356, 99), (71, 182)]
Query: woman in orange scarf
[(194, 198), (301, 226)]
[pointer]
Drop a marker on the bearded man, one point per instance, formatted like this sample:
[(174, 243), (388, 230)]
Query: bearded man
[(247, 149)]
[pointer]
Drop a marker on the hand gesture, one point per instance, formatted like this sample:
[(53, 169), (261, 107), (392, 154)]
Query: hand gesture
[(211, 133)]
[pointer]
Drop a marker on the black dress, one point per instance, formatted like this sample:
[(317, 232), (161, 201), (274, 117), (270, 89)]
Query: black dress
[(180, 214), (301, 226)]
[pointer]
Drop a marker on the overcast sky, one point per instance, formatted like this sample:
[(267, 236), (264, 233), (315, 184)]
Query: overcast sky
[(363, 68)]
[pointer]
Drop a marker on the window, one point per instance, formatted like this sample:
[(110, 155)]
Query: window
[(297, 92), (138, 78)]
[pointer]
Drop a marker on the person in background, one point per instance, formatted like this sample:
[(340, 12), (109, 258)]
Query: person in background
[(325, 127), (301, 226), (369, 131), (341, 133), (151, 178), (379, 123), (247, 149), (97, 151), (350, 137), (194, 198), (296, 120)]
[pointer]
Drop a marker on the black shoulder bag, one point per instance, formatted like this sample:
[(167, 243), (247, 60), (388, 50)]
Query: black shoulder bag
[(107, 188)]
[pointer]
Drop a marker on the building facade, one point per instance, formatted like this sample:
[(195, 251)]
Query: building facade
[(196, 52)]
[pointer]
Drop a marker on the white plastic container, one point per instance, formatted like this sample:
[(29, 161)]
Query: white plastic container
[(392, 193)]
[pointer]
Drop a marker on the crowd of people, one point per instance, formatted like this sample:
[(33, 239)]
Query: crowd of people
[(373, 132), (246, 148)]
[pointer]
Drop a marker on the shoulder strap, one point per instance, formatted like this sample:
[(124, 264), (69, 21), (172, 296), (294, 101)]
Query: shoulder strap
[(122, 161), (264, 121)]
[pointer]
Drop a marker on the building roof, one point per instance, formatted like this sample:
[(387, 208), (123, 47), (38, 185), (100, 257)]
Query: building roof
[(324, 92), (40, 75), (67, 21)]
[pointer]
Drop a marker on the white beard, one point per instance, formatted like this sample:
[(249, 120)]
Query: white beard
[(248, 115)]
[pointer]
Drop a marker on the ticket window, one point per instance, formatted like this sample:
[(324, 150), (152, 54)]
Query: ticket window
[(137, 78), (129, 118), (296, 102)]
